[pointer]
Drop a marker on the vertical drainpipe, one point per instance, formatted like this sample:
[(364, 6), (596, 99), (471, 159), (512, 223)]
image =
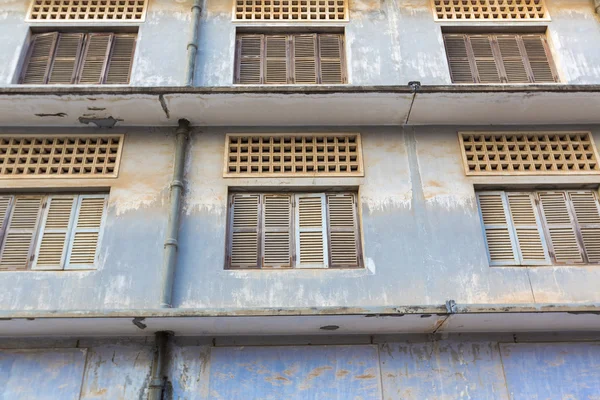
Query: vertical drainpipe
[(192, 47), (157, 379), (170, 249)]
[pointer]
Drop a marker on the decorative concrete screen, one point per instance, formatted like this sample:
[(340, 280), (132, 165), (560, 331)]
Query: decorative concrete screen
[(80, 156), (490, 10), (541, 228), (528, 153), (267, 155), (290, 10), (88, 10)]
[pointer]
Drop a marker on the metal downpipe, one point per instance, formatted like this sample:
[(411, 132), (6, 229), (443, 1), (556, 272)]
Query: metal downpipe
[(192, 47), (171, 244), (157, 380)]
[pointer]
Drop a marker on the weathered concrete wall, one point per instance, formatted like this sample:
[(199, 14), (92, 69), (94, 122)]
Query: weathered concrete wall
[(421, 233), (417, 368), (161, 50), (130, 254), (393, 42)]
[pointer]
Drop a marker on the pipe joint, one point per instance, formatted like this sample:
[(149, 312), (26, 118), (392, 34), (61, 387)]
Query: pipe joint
[(177, 183), (172, 242)]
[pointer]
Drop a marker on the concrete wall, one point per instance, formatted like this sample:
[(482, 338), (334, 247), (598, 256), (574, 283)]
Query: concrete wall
[(416, 368), (421, 233), (389, 42), (161, 51), (393, 42)]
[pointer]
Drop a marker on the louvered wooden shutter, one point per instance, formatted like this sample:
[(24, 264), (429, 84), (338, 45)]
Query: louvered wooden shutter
[(561, 228), (276, 59), (305, 58), (244, 223), (20, 233), (66, 57), (540, 60), (85, 234), (459, 60), (57, 219), (587, 213), (277, 231), (343, 230), (485, 61), (95, 58), (250, 56), (40, 57), (331, 58), (5, 206), (121, 59), (512, 59), (311, 231), (501, 245), (528, 231)]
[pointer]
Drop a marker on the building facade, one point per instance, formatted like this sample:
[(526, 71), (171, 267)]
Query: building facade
[(299, 199)]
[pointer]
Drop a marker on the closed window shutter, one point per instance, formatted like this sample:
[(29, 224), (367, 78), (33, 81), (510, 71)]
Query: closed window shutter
[(95, 58), (343, 230), (305, 59), (512, 59), (485, 61), (539, 58), (458, 59), (64, 65), (5, 204), (250, 55), (85, 235), (528, 229), (277, 231), (40, 57), (121, 59), (311, 231), (276, 60), (244, 252), (20, 233), (330, 58), (560, 227), (500, 241), (56, 220), (587, 212)]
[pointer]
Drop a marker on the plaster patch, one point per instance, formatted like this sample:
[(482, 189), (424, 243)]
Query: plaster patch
[(384, 201)]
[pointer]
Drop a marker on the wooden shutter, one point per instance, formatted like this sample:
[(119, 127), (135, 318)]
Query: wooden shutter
[(305, 58), (561, 232), (540, 60), (311, 231), (499, 237), (40, 56), (66, 57), (343, 230), (276, 59), (20, 233), (95, 58), (512, 59), (57, 218), (277, 231), (587, 213), (244, 223), (121, 59), (331, 58), (85, 234), (5, 206), (528, 231), (485, 61), (459, 61), (250, 55)]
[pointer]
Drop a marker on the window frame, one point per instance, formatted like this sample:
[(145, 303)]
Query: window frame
[(40, 224), (81, 55), (294, 231), (542, 227)]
